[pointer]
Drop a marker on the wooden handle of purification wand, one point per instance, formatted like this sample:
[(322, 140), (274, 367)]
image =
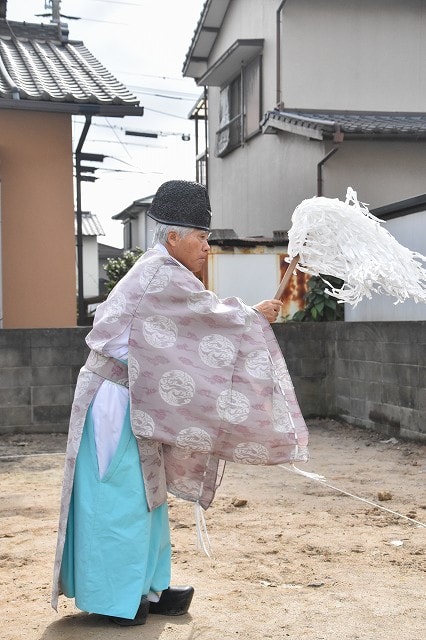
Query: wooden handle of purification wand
[(289, 272)]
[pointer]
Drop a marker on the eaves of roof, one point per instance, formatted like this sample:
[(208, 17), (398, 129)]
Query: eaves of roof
[(401, 208), (42, 70), (133, 210), (204, 38), (219, 240), (339, 125)]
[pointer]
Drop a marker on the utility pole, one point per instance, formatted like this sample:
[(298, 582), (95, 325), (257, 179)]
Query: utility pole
[(55, 7)]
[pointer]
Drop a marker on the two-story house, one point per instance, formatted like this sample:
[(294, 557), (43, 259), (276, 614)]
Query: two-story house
[(308, 97), (138, 228)]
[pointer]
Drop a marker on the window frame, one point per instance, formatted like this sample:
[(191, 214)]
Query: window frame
[(235, 109)]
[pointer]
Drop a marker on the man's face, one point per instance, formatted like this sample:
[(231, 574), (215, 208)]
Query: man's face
[(191, 251)]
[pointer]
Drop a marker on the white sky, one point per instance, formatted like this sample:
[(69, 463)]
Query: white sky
[(144, 44)]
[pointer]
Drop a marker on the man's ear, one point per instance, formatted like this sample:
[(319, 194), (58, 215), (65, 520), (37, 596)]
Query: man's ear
[(172, 238)]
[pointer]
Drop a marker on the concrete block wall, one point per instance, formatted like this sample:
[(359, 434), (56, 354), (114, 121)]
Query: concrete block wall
[(306, 351), (38, 370), (380, 376), (370, 374)]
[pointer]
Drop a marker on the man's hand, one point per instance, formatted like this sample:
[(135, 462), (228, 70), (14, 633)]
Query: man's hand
[(269, 308)]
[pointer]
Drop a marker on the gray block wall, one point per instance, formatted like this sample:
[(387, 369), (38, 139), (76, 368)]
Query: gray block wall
[(38, 370), (370, 374)]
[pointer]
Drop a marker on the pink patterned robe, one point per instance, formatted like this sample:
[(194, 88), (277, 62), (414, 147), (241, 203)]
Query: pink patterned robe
[(207, 384)]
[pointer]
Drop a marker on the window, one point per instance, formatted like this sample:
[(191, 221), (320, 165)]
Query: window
[(127, 234), (240, 109)]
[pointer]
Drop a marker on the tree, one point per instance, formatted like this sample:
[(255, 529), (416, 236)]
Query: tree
[(116, 268), (320, 307)]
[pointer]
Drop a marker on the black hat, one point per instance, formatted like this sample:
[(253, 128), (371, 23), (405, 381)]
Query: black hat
[(182, 203)]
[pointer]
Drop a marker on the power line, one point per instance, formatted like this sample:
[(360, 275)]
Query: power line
[(150, 75), (148, 91), (119, 128), (123, 24), (131, 4), (133, 144), (164, 113), (118, 139)]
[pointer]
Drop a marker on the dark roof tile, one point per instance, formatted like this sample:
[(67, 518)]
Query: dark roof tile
[(351, 124), (40, 64)]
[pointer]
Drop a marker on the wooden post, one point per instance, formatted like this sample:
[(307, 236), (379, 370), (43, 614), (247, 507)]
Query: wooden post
[(284, 282)]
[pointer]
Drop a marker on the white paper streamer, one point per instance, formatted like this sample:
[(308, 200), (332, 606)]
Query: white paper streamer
[(343, 239)]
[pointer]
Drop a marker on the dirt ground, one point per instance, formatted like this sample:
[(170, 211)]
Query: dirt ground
[(292, 558)]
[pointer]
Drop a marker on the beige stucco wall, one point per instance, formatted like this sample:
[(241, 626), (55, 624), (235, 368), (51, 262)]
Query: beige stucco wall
[(38, 252)]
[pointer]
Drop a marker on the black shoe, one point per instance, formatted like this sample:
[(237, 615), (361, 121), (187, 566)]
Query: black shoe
[(174, 601), (140, 617)]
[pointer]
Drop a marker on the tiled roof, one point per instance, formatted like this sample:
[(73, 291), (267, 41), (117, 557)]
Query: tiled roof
[(323, 125), (40, 68)]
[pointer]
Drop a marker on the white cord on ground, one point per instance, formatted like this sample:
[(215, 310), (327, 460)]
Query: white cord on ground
[(31, 455), (203, 539), (321, 479)]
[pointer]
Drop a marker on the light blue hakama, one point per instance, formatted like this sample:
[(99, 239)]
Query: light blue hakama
[(116, 550)]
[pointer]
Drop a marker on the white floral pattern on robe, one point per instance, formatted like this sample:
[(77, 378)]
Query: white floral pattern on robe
[(207, 384)]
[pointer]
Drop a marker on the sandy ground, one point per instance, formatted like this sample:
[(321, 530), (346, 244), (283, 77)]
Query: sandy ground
[(292, 558)]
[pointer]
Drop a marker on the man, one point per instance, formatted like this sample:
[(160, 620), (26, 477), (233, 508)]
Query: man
[(176, 383)]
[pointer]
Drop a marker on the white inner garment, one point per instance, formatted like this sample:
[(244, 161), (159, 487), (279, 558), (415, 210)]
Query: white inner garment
[(109, 408), (110, 403)]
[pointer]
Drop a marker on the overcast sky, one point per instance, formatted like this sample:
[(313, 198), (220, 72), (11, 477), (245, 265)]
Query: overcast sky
[(144, 44)]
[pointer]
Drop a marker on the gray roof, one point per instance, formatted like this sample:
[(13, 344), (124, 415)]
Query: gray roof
[(41, 69), (401, 208), (135, 209), (326, 125), (90, 225)]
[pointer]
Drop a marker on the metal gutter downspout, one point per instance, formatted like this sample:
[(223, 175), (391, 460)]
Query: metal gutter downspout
[(280, 105), (206, 137), (338, 137), (319, 169), (80, 300)]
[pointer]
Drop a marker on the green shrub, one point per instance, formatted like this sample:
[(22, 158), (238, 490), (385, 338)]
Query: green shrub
[(116, 268), (319, 306)]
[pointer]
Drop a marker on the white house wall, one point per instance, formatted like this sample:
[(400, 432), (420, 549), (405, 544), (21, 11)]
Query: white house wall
[(364, 55), (410, 231), (255, 188), (258, 193), (335, 54), (380, 172), (90, 267), (251, 19)]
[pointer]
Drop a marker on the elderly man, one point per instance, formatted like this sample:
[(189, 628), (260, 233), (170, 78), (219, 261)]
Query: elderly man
[(177, 382)]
